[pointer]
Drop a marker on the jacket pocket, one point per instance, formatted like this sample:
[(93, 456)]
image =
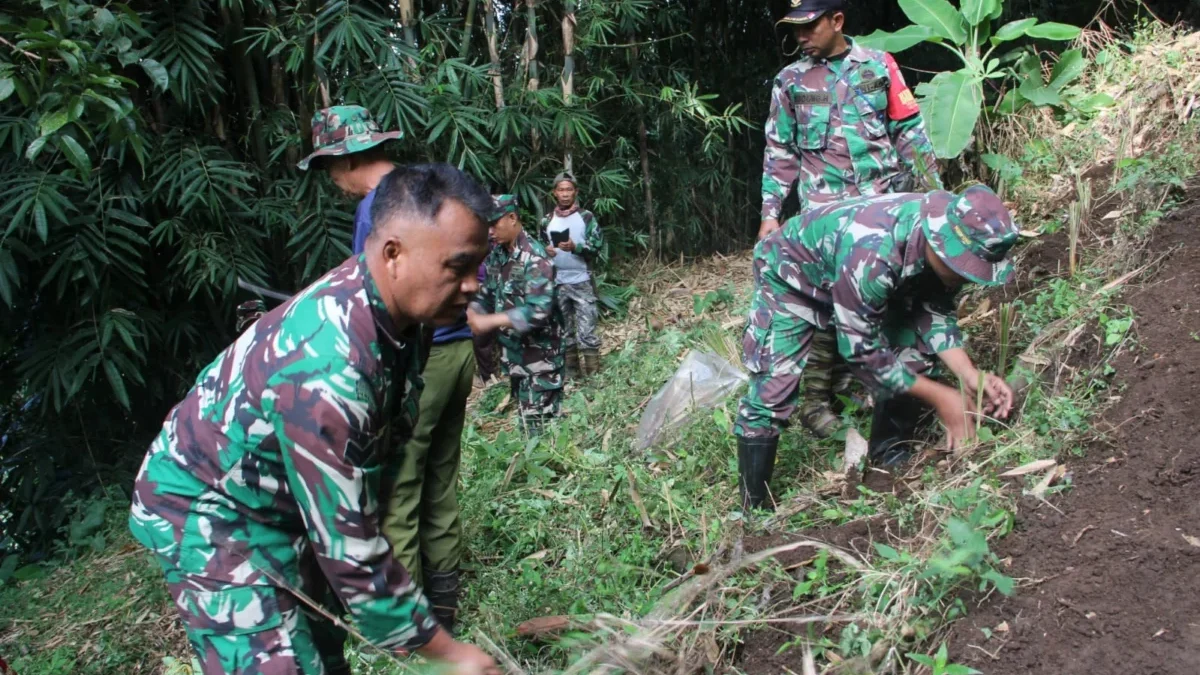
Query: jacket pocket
[(236, 610)]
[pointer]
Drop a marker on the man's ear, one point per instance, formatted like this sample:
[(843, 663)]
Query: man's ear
[(838, 20)]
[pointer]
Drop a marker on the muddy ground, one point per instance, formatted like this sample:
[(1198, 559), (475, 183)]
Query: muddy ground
[(1112, 570)]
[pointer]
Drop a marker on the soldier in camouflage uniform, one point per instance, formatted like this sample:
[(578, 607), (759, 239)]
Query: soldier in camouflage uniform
[(518, 300), (580, 247), (265, 480), (842, 124), (881, 271)]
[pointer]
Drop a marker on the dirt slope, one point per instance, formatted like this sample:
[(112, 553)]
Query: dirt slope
[(1120, 572)]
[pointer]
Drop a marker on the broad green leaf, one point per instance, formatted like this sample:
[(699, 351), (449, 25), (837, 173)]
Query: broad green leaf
[(899, 41), (123, 44), (6, 87), (978, 11), (1013, 30), (75, 154), (158, 74), (886, 552), (1003, 583), (28, 572), (952, 109), (1069, 67), (938, 16), (1092, 103), (1039, 94), (103, 20), (52, 122), (1005, 166), (1054, 31)]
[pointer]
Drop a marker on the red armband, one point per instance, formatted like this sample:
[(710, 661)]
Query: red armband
[(901, 102)]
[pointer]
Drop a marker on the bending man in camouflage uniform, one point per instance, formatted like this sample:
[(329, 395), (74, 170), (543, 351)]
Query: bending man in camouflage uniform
[(842, 124), (883, 272), (580, 243), (265, 480), (422, 516), (518, 300)]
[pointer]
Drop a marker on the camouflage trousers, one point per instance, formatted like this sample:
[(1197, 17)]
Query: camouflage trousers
[(255, 630), (579, 308), (538, 396), (776, 356)]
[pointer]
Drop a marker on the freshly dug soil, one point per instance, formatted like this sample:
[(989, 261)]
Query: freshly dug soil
[(759, 649), (1111, 581)]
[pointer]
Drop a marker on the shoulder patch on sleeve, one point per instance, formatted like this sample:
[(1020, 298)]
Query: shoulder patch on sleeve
[(901, 103)]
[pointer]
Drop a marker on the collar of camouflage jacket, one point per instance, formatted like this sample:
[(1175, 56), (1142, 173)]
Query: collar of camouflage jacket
[(519, 244), (383, 318)]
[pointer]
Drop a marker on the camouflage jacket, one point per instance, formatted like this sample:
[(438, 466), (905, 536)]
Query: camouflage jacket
[(845, 128), (520, 283), (861, 264), (273, 460)]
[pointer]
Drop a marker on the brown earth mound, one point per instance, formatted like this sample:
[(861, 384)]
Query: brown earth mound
[(1113, 572)]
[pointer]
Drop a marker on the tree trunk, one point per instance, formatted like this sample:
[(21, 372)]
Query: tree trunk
[(531, 64), (489, 31), (467, 27), (243, 69), (304, 86), (407, 20), (643, 149), (568, 75)]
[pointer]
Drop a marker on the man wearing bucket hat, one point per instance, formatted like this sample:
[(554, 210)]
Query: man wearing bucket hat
[(842, 124), (422, 517), (579, 246), (882, 272), (517, 299)]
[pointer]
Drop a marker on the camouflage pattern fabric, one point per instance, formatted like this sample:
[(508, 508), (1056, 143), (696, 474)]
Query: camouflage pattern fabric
[(275, 458), (520, 283), (503, 205), (342, 130), (858, 266), (578, 305), (832, 127)]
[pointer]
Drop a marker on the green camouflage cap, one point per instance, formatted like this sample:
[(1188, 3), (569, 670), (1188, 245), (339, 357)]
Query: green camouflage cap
[(971, 232), (344, 129), (502, 205)]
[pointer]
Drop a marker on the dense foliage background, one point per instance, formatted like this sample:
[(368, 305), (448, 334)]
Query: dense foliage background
[(147, 154)]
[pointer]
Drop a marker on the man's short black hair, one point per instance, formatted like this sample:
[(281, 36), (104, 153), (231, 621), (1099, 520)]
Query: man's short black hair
[(420, 191)]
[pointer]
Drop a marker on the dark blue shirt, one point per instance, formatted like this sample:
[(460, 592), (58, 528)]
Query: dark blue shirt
[(362, 227)]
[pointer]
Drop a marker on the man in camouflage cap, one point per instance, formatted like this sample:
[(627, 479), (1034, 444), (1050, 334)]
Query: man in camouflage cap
[(580, 246), (518, 300), (263, 487), (883, 272), (842, 124), (422, 518)]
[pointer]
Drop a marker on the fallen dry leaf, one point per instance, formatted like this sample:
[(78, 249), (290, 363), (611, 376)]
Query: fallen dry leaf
[(1194, 541)]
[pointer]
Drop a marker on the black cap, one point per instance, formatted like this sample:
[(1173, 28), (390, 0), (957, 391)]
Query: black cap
[(807, 11)]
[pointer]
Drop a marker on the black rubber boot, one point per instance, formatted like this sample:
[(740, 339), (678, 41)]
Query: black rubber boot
[(442, 590), (894, 425), (756, 462)]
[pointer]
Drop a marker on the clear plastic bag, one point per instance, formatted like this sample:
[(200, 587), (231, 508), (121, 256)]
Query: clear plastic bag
[(702, 381)]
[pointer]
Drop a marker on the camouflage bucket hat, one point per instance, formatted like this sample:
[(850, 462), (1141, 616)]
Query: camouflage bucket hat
[(502, 205), (972, 233), (342, 130)]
